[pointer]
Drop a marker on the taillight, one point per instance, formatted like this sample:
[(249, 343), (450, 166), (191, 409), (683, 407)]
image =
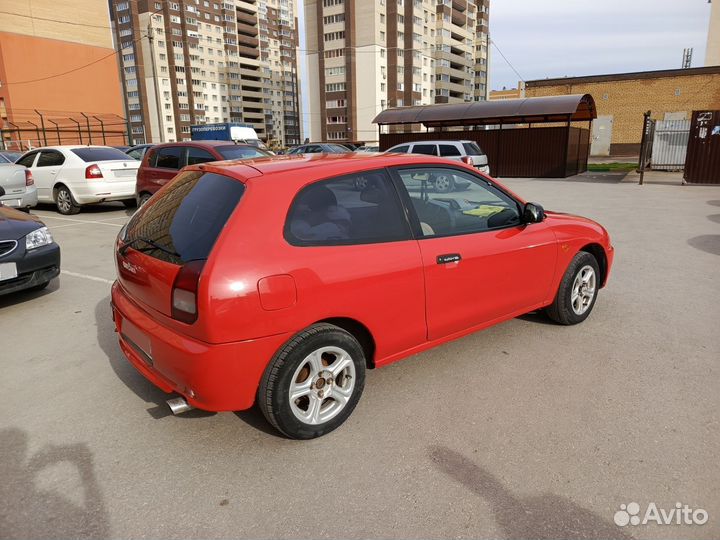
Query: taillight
[(468, 160), (184, 292), (93, 171), (29, 181)]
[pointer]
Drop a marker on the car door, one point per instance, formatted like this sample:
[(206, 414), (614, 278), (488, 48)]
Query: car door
[(481, 263), (362, 261), (45, 173), (164, 165)]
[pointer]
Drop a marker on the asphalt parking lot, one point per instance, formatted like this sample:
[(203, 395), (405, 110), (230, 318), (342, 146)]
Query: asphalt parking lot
[(527, 429)]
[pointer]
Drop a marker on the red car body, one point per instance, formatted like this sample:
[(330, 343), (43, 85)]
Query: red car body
[(257, 290), (152, 175)]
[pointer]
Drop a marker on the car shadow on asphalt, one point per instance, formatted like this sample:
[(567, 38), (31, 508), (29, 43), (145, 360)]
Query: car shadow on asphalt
[(26, 296), (86, 209), (709, 243), (541, 516), (29, 511), (538, 317), (714, 202), (144, 389)]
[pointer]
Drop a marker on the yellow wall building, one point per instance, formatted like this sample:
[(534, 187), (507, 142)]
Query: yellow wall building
[(621, 99)]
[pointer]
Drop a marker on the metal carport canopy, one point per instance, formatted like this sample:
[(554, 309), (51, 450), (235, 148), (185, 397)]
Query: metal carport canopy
[(569, 108)]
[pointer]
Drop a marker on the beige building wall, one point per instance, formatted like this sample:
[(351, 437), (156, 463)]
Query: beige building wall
[(671, 92), (51, 19), (712, 53)]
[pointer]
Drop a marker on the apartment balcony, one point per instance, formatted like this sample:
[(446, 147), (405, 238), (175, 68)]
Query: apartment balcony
[(248, 95), (454, 73), (248, 52), (246, 18), (452, 87), (457, 59), (247, 41), (458, 18), (247, 30)]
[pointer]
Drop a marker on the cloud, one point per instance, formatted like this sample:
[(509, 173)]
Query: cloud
[(555, 38)]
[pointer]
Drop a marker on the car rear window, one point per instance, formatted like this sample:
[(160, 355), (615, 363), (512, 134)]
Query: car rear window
[(472, 149), (240, 152), (99, 154), (448, 150), (186, 218)]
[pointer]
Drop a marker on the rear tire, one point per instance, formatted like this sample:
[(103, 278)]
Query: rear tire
[(578, 291), (65, 202), (142, 199), (324, 367)]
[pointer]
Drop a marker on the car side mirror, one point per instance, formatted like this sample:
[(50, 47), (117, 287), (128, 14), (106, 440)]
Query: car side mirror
[(533, 213)]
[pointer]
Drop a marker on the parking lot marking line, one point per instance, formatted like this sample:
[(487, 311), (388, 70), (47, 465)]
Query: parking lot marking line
[(86, 276), (81, 221)]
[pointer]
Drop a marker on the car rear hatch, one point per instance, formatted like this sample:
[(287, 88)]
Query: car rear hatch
[(13, 180), (475, 152), (113, 164), (168, 240)]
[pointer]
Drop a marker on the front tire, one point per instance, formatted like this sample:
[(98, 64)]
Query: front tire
[(65, 202), (578, 291), (142, 199), (443, 183), (313, 383)]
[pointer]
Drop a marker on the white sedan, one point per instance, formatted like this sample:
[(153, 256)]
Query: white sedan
[(71, 176)]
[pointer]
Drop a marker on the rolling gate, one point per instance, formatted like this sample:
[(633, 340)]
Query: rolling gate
[(702, 165)]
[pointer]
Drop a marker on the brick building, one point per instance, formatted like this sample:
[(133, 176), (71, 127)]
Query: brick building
[(622, 98)]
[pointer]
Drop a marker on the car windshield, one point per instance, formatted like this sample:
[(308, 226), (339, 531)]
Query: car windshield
[(100, 153), (4, 159), (240, 152), (472, 149)]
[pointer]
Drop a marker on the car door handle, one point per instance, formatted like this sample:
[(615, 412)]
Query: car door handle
[(449, 258)]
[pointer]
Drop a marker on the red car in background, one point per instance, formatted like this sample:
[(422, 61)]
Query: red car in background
[(276, 280), (163, 161)]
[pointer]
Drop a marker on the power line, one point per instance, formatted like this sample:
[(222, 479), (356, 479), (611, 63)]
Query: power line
[(506, 60)]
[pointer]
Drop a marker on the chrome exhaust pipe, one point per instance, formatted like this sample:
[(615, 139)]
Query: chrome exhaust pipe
[(178, 405)]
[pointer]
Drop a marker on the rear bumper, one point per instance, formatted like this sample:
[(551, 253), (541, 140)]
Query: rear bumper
[(212, 377), (27, 199), (34, 268), (96, 191)]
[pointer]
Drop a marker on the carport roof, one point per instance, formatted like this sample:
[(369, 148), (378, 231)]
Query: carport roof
[(569, 108)]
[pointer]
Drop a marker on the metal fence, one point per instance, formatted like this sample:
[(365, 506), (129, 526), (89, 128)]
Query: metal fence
[(30, 129), (703, 156), (670, 144)]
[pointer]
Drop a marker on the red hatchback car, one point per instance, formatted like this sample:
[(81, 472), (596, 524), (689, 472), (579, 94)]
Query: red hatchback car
[(162, 162), (276, 280)]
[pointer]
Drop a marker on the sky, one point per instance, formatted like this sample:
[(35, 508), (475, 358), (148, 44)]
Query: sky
[(555, 38)]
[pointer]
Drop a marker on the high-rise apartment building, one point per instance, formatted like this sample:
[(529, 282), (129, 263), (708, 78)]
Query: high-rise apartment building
[(189, 62), (367, 55)]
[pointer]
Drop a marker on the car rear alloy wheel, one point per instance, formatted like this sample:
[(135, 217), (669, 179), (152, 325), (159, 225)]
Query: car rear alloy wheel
[(314, 382), (144, 198), (66, 205), (442, 183), (577, 291)]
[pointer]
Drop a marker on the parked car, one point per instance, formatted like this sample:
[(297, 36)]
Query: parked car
[(138, 151), (8, 156), (466, 151), (279, 281), (161, 163), (29, 258), (319, 148), (123, 148), (72, 176), (18, 185), (368, 149)]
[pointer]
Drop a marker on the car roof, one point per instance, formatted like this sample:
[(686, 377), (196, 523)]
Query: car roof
[(200, 144), (436, 141), (314, 166)]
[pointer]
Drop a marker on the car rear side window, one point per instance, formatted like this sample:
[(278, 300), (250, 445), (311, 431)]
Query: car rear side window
[(99, 153), (472, 149), (169, 157), (27, 160), (360, 208), (50, 158), (449, 150), (186, 219), (427, 149)]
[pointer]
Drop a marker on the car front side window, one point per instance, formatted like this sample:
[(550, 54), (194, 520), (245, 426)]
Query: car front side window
[(449, 201), (359, 208)]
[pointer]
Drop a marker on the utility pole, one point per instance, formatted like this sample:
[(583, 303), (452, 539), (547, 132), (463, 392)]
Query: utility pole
[(151, 39)]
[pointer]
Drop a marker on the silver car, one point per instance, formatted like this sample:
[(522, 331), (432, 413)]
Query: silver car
[(466, 151), (18, 183)]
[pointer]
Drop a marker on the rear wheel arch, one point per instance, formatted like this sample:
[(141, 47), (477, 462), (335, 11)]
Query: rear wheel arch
[(360, 332), (597, 251)]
